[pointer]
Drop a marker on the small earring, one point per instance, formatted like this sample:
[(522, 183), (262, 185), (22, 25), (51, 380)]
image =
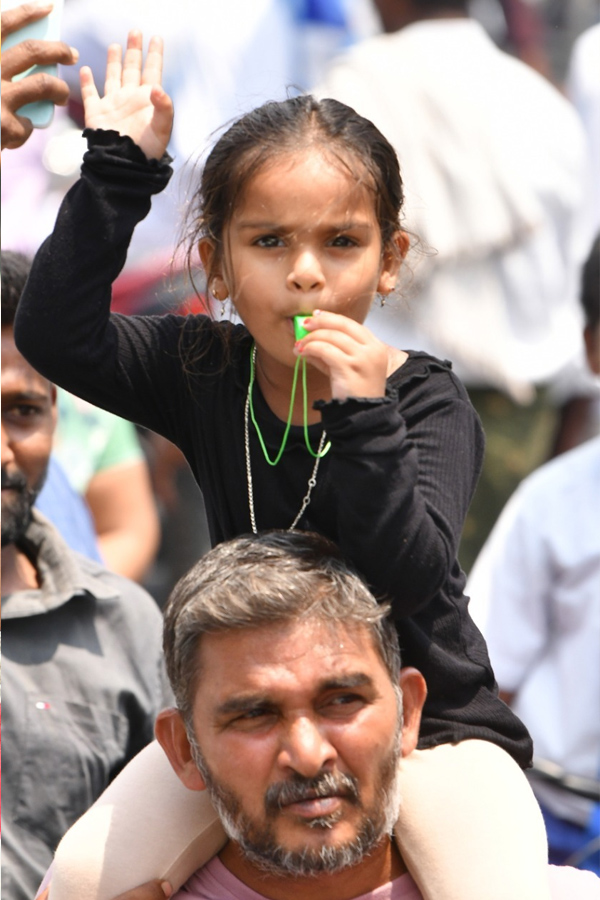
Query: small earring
[(222, 313), (382, 300)]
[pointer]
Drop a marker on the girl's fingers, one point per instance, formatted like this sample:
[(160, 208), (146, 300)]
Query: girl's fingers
[(162, 121), (334, 328), (163, 106), (349, 376), (344, 354), (132, 63), (152, 72), (322, 319), (113, 69), (326, 338), (88, 86)]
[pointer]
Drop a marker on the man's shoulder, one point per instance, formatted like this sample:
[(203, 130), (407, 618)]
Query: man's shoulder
[(66, 575), (124, 608), (108, 587), (97, 573), (567, 883)]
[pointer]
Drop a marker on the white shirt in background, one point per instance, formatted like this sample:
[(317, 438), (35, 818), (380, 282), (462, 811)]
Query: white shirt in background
[(535, 594)]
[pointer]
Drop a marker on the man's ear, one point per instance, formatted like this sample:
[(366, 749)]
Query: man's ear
[(393, 256), (414, 692), (54, 401), (171, 735)]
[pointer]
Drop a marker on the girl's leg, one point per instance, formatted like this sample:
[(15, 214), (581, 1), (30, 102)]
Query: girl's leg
[(470, 826), (145, 825)]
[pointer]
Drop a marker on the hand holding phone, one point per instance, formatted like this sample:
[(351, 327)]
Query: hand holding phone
[(30, 54)]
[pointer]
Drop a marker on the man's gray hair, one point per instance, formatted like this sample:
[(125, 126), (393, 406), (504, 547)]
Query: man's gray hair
[(264, 579)]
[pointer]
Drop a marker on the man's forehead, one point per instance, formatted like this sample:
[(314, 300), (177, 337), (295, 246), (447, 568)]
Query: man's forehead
[(310, 653), (18, 376)]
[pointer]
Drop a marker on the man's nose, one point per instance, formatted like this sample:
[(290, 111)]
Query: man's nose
[(306, 273), (7, 451), (305, 748)]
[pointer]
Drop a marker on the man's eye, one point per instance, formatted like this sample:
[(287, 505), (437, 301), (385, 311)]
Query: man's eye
[(344, 703), (26, 410), (268, 240), (253, 718), (254, 715)]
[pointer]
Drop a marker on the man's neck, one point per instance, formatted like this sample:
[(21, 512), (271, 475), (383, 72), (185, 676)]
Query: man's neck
[(383, 865), (18, 572)]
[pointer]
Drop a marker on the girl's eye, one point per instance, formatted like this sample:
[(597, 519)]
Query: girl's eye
[(342, 240), (268, 240)]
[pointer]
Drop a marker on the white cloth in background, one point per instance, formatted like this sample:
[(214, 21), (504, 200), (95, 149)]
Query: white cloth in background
[(495, 168), (221, 60), (583, 87), (535, 594)]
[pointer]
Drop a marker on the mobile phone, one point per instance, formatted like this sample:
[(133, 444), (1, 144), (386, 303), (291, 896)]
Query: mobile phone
[(47, 29)]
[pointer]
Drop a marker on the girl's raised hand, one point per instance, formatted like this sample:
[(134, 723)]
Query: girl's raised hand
[(353, 358), (134, 103)]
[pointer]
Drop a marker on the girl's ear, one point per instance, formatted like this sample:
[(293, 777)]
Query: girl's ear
[(414, 692), (212, 267), (171, 735), (393, 256)]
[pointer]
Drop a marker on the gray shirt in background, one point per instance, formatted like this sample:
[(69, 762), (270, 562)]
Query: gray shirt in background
[(82, 682)]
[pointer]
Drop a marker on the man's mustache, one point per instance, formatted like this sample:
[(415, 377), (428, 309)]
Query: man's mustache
[(298, 789), (16, 481)]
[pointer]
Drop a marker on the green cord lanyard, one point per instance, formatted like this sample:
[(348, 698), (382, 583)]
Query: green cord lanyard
[(273, 462)]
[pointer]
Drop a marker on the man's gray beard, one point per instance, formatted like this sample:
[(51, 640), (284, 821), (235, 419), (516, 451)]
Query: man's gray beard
[(259, 846)]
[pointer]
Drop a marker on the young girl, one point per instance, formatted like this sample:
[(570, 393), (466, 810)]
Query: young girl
[(378, 449)]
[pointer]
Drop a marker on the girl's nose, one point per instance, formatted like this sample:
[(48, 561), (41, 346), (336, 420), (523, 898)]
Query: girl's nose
[(306, 273)]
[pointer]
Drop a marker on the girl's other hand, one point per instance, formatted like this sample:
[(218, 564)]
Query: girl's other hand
[(353, 358), (134, 103)]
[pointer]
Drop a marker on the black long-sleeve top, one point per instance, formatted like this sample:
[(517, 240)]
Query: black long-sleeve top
[(392, 492)]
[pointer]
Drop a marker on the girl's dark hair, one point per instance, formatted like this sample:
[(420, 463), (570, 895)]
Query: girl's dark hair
[(280, 127)]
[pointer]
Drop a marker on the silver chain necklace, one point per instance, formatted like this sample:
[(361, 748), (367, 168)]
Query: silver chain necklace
[(311, 481)]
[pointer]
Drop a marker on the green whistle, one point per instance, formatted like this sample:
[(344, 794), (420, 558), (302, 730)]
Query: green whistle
[(299, 329)]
